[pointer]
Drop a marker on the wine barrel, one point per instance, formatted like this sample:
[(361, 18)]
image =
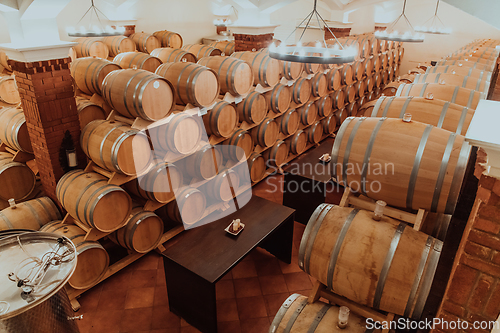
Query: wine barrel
[(145, 42), (369, 65), (87, 111), (266, 133), (278, 100), (8, 90), (483, 63), (338, 99), (465, 71), (181, 134), (194, 84), (239, 146), (30, 215), (166, 54), (319, 85), (324, 106), (257, 167), (358, 70), (291, 70), (436, 112), (308, 113), (13, 129), (158, 184), (330, 124), (360, 88), (391, 88), (385, 59), (93, 260), (119, 44), (352, 109), (18, 181), (201, 51), (226, 47), (289, 122), (89, 198), (409, 78), (188, 207), (137, 60), (362, 49), (296, 315), (169, 39), (334, 78), (387, 276), (89, 73), (435, 190), (222, 187), (277, 154), (253, 108), (481, 85), (91, 47), (347, 74), (314, 132), (222, 120), (142, 232), (297, 143), (205, 163), (369, 83), (266, 70), (455, 94), (301, 91), (235, 76), (139, 93), (4, 61), (116, 147), (350, 93)]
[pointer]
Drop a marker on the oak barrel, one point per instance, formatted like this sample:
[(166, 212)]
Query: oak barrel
[(239, 146), (465, 71), (469, 82), (222, 120), (89, 73), (193, 83), (18, 181), (223, 186), (330, 123), (141, 233), (188, 207), (301, 91), (88, 111), (253, 108), (308, 113), (338, 99), (257, 167), (291, 70), (314, 132), (375, 171), (347, 74), (324, 106), (92, 258), (395, 264), (89, 198), (169, 39), (226, 47), (14, 130), (235, 76), (277, 154), (279, 98), (289, 122), (119, 44), (319, 85), (266, 133), (139, 93), (167, 54), (137, 60), (181, 134), (91, 47), (297, 142), (8, 90), (391, 88), (31, 215), (350, 93), (334, 78), (360, 87), (205, 163), (266, 70), (201, 51), (145, 42), (4, 61), (117, 147)]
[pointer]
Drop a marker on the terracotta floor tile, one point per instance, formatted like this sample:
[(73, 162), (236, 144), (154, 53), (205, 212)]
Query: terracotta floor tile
[(163, 318), (258, 254), (160, 297), (167, 330), (148, 261), (189, 329), (89, 300), (140, 298), (247, 287), (160, 277), (228, 275), (184, 322), (85, 324), (112, 300), (258, 325), (268, 267), (290, 268), (244, 269), (251, 307), (136, 319), (118, 281), (224, 289), (143, 278), (274, 302), (297, 281), (107, 321), (227, 310), (273, 284), (229, 327)]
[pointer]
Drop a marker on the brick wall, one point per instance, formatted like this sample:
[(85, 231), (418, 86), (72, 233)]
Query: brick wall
[(243, 42), (473, 291), (339, 32), (48, 100)]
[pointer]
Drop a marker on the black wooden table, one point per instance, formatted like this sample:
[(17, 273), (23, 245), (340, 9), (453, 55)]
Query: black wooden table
[(307, 181), (197, 258)]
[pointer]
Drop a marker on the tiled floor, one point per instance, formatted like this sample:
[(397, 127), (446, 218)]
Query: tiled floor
[(248, 297)]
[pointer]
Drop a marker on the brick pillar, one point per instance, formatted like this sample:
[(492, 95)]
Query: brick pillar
[(473, 291), (380, 28), (48, 101), (339, 33), (244, 42)]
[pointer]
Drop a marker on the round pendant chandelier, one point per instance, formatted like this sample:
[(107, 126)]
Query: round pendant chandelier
[(436, 26), (94, 30), (408, 36), (321, 53)]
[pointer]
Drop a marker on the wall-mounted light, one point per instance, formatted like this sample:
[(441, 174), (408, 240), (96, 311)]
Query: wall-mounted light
[(71, 156)]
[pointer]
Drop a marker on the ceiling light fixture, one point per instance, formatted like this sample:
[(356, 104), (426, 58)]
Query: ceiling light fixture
[(436, 27), (393, 35), (94, 30), (321, 53)]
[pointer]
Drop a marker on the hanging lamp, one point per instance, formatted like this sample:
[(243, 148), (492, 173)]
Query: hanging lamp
[(94, 30), (321, 53), (392, 34), (436, 26)]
